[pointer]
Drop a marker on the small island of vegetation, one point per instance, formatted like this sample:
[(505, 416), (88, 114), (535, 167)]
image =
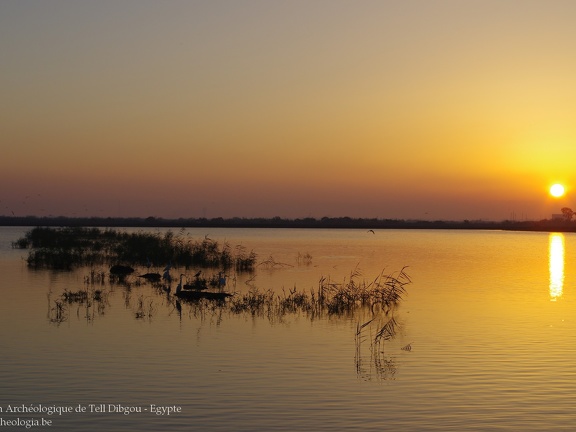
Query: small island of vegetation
[(70, 247)]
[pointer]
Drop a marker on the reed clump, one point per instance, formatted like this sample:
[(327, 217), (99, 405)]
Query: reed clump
[(145, 308), (71, 247), (84, 296), (92, 302), (255, 302), (304, 259), (382, 294), (352, 298)]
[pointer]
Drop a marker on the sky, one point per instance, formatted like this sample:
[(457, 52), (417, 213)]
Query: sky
[(412, 109)]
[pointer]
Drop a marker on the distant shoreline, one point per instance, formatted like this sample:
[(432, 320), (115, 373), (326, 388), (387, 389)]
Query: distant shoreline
[(545, 225)]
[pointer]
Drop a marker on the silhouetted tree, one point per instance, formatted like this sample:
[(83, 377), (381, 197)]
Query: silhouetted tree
[(567, 213)]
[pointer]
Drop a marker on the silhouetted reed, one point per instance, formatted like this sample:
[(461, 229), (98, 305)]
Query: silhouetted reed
[(382, 294), (352, 298), (84, 296), (96, 277), (304, 259), (371, 303), (57, 314), (92, 302), (271, 263), (145, 308), (67, 248)]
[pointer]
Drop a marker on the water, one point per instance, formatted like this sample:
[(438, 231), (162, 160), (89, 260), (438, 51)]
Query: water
[(489, 317)]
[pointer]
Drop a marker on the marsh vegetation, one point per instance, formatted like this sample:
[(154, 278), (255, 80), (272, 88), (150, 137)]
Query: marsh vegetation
[(71, 247), (370, 303)]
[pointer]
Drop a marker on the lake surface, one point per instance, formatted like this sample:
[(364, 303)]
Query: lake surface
[(486, 340)]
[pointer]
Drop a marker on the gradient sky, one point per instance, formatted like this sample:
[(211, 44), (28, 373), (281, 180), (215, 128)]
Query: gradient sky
[(390, 109)]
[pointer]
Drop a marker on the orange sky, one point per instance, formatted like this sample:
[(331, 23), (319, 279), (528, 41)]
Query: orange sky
[(414, 109)]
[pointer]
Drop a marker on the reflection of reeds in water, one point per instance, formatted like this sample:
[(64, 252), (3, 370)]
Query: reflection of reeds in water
[(382, 295), (145, 308), (378, 364), (351, 298), (271, 263), (386, 332)]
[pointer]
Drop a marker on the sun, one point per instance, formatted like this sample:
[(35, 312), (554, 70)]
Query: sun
[(557, 190)]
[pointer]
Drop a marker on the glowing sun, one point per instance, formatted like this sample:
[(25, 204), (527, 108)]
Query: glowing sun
[(557, 190)]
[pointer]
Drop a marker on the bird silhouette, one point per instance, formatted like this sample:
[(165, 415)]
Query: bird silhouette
[(179, 286), (166, 276)]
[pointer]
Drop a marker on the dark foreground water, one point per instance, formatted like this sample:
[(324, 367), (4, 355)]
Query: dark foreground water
[(486, 341)]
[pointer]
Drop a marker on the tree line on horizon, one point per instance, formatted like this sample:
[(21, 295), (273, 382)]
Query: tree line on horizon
[(565, 223)]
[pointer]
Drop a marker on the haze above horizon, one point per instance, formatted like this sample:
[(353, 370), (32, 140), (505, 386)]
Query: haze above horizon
[(374, 109)]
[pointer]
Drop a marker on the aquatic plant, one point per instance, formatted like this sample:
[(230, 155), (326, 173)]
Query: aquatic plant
[(96, 277), (145, 308), (382, 294), (91, 301), (244, 261), (254, 302), (271, 263), (57, 314), (67, 248), (304, 259), (372, 304), (84, 296), (354, 298)]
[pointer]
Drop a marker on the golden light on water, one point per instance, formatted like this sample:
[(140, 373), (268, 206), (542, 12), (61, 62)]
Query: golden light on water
[(556, 265)]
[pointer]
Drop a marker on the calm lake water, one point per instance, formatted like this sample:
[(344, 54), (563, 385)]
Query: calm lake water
[(486, 340)]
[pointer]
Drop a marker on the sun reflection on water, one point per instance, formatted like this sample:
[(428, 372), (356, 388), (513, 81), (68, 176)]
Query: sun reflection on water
[(556, 265)]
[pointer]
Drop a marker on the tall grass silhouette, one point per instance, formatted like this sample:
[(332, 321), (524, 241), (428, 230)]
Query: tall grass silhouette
[(71, 247)]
